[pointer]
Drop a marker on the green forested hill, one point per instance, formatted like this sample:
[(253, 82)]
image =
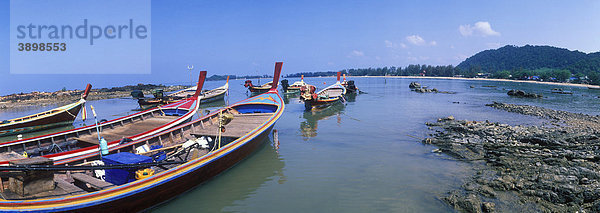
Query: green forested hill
[(531, 58)]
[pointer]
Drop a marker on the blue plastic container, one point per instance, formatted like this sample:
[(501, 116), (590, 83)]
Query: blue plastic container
[(160, 155), (123, 176)]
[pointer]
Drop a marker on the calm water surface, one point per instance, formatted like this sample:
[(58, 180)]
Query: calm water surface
[(362, 156)]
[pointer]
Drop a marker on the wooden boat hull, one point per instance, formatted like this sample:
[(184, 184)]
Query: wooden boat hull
[(150, 103), (316, 104), (258, 90), (255, 90), (63, 118), (175, 181), (218, 97), (60, 116), (142, 194)]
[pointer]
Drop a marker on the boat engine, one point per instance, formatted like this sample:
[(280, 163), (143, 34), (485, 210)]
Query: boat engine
[(137, 94), (351, 87), (158, 93), (285, 84)]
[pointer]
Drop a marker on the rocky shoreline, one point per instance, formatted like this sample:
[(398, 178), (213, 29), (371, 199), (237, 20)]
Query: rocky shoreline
[(548, 168), (67, 96), (416, 87)]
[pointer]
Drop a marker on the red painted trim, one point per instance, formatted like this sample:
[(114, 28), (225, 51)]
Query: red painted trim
[(338, 76), (200, 84), (86, 92), (278, 66)]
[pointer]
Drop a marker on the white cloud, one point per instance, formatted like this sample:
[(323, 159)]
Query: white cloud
[(493, 45), (415, 39), (389, 44), (393, 45), (481, 28), (418, 41), (356, 53)]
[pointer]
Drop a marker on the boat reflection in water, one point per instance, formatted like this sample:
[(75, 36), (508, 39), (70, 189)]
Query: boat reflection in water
[(308, 128), (290, 96), (351, 97), (233, 186)]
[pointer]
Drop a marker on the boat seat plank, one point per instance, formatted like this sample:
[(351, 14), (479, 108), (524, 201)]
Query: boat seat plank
[(128, 129), (94, 182), (239, 126), (68, 187), (86, 140)]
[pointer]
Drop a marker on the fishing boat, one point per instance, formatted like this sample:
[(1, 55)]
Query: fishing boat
[(83, 140), (349, 85), (159, 99), (324, 98), (61, 116), (295, 87), (192, 153), (257, 89)]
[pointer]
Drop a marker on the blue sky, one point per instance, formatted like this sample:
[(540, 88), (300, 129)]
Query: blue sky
[(247, 37)]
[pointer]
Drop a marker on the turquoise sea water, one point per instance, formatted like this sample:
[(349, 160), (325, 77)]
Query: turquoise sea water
[(361, 156)]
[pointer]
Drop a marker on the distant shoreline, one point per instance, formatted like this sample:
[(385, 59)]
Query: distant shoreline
[(485, 79)]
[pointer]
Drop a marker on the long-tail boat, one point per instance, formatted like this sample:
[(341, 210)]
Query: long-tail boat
[(193, 153), (205, 97), (258, 89), (326, 97), (83, 140), (61, 116)]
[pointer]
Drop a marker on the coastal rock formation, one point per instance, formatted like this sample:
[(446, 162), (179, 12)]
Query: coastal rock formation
[(552, 169), (523, 94), (414, 85), (424, 89)]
